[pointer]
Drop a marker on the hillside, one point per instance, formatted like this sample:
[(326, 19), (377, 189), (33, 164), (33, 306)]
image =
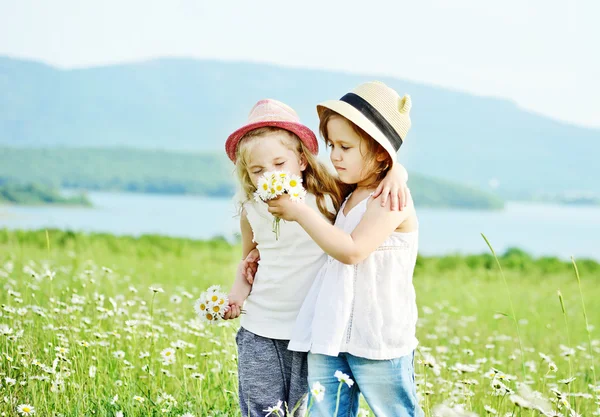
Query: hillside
[(185, 104), (35, 194), (121, 169)]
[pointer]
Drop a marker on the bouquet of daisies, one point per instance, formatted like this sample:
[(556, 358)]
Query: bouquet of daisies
[(210, 306), (273, 184)]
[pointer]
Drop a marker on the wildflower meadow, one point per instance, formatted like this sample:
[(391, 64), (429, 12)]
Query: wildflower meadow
[(99, 325)]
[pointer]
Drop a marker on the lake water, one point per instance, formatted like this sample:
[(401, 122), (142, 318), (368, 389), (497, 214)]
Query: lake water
[(541, 229)]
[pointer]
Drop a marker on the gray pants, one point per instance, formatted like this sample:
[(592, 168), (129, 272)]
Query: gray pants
[(268, 372)]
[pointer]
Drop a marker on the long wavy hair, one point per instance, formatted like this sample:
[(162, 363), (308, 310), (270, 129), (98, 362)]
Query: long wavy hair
[(316, 177)]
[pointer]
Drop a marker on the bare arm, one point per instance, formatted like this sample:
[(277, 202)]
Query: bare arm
[(241, 288), (247, 235), (376, 225)]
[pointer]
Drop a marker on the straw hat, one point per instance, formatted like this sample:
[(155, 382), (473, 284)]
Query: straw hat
[(272, 113), (378, 110)]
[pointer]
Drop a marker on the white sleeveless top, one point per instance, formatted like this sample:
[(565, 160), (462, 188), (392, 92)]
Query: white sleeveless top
[(286, 271), (368, 309)]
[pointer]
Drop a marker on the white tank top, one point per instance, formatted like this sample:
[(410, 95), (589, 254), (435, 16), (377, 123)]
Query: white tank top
[(286, 271), (368, 309)]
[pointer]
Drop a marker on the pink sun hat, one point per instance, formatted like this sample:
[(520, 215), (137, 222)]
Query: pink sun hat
[(269, 112)]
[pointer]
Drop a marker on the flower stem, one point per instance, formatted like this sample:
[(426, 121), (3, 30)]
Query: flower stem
[(587, 326), (512, 309), (337, 401)]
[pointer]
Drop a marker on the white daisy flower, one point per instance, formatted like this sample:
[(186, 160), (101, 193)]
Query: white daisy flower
[(567, 381), (62, 350), (297, 195), (26, 410), (293, 182), (167, 353), (213, 289), (119, 354), (275, 409), (342, 377), (262, 189), (169, 361), (318, 391)]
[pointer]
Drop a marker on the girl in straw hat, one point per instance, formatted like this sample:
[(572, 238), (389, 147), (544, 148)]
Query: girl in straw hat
[(273, 139), (358, 320)]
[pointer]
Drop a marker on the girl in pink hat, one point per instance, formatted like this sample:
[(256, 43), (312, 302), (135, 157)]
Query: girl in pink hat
[(275, 140)]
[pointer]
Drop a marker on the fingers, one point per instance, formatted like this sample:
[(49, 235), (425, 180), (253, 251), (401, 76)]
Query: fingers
[(394, 199), (378, 190), (249, 275), (407, 196), (385, 193), (232, 311), (253, 255), (252, 271), (402, 198), (273, 202)]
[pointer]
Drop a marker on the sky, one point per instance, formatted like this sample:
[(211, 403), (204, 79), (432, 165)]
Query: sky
[(542, 54)]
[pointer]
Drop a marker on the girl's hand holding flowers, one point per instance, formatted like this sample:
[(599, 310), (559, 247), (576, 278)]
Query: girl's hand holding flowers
[(236, 302), (272, 185), (285, 208)]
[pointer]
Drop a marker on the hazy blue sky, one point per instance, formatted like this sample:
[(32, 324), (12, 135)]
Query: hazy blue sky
[(541, 53)]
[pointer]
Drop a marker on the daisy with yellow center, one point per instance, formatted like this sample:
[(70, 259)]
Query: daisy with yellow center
[(26, 410), (273, 184), (210, 307)]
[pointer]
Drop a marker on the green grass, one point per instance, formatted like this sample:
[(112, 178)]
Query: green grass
[(89, 307)]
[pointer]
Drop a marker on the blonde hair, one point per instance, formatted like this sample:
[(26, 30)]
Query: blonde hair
[(374, 149), (317, 179)]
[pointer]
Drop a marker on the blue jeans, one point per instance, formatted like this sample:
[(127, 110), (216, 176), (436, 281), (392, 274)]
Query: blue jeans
[(387, 385)]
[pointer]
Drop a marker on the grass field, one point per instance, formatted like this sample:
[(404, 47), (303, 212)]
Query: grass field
[(82, 333)]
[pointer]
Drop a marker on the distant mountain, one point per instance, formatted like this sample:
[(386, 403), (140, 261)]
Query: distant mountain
[(184, 104), (152, 171)]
